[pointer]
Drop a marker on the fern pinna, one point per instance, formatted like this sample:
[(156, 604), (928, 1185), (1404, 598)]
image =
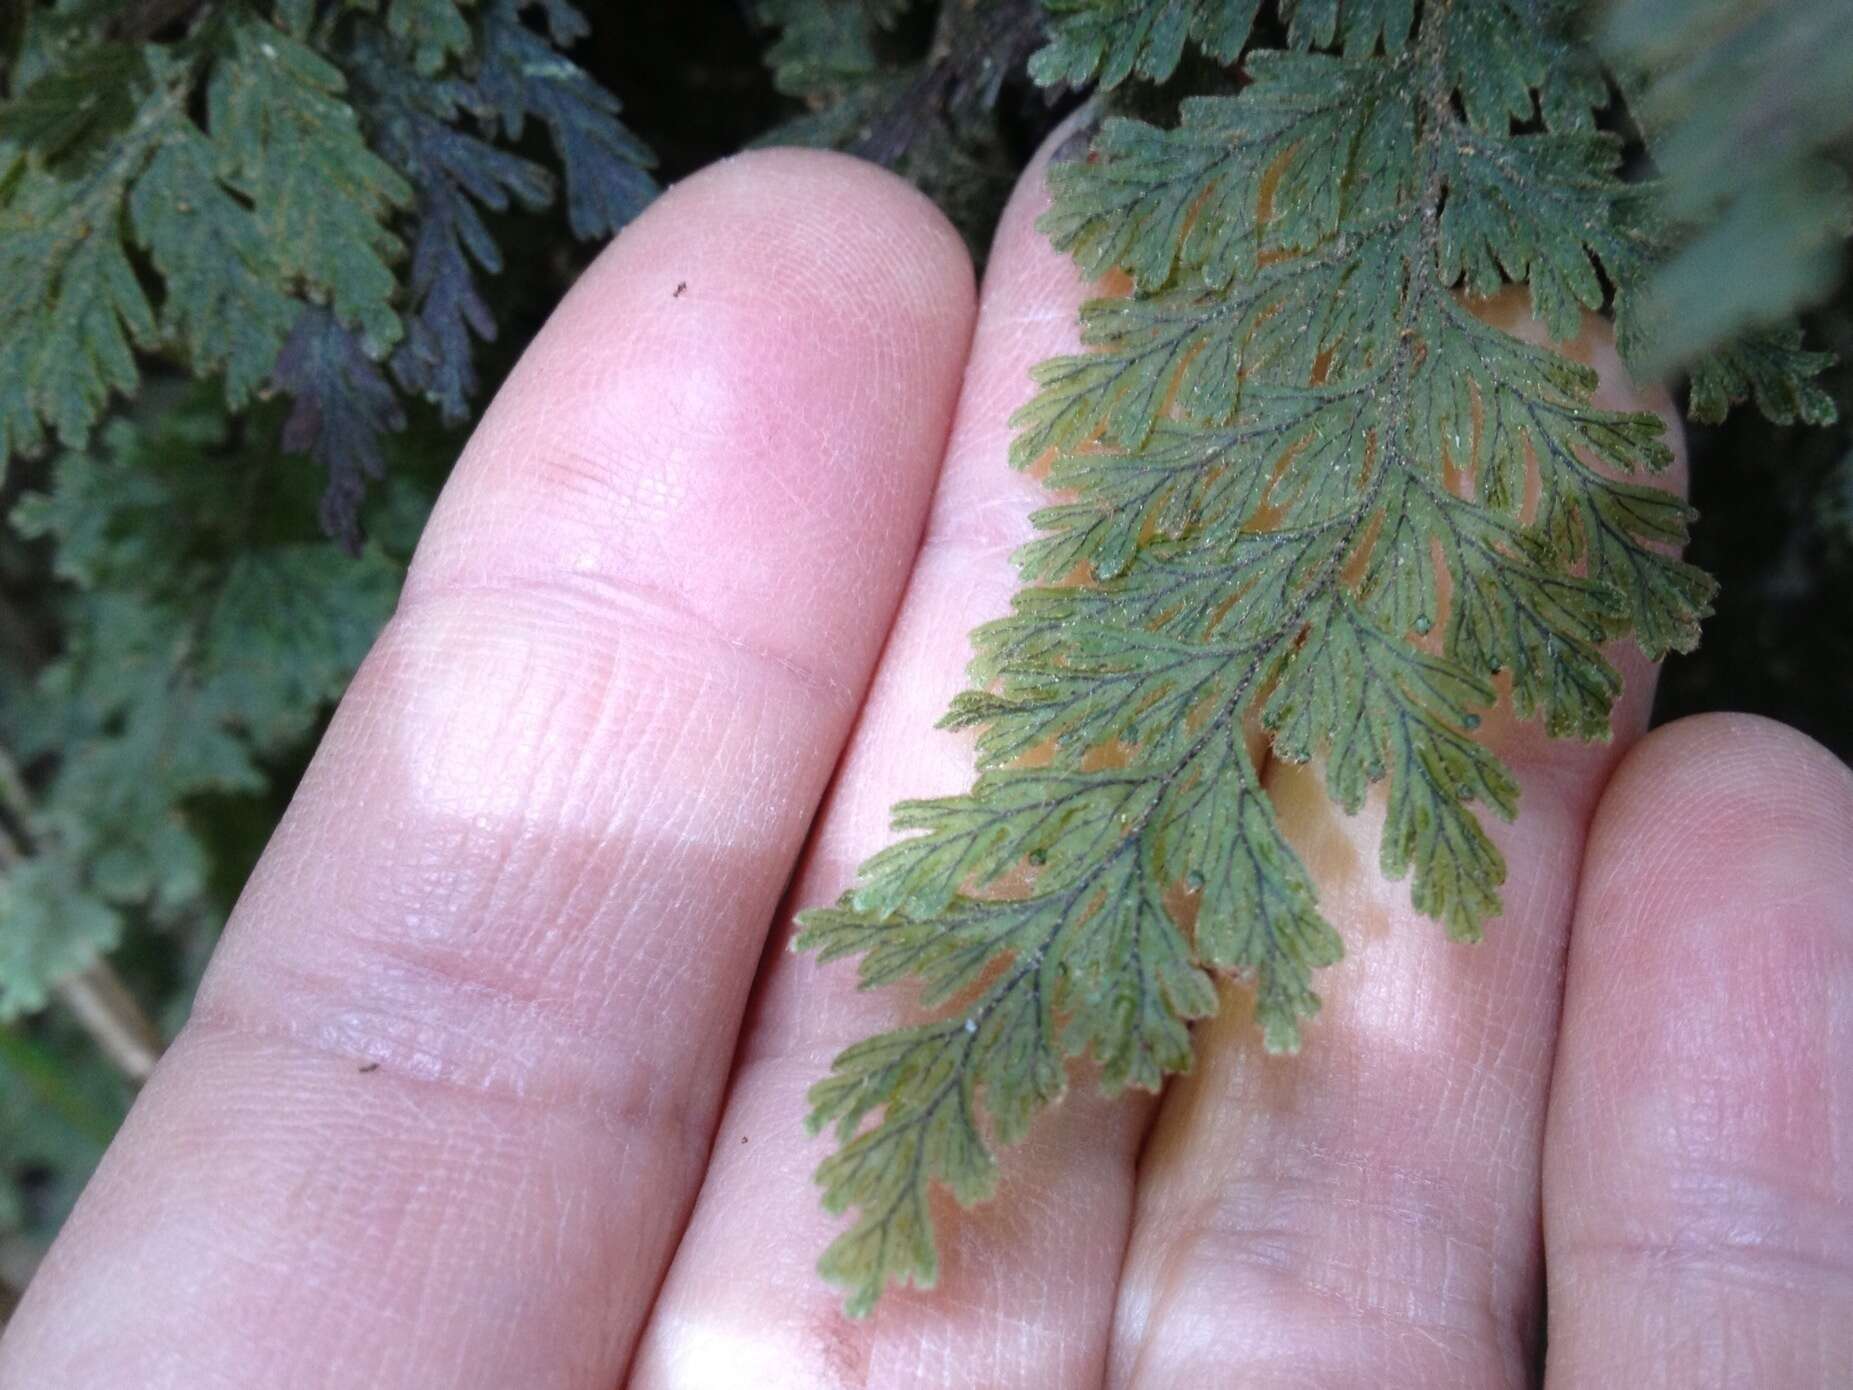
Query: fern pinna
[(1299, 479)]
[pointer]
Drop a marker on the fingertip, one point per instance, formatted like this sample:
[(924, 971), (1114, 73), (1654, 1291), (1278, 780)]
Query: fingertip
[(1696, 1205), (761, 354), (781, 197), (1719, 802), (1714, 900), (1026, 271), (1699, 747), (1713, 921)]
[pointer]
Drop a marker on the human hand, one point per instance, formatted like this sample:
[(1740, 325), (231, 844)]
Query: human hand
[(498, 1076)]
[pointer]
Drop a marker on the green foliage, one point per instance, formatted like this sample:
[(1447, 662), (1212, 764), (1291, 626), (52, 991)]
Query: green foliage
[(226, 305), (203, 627), (437, 31), (59, 1106), (1746, 109), (524, 77), (212, 198), (72, 311), (326, 209), (191, 656), (1300, 480), (291, 146)]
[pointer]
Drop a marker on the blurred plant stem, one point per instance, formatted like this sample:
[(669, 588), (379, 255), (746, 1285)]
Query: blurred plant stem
[(104, 1009), (95, 996)]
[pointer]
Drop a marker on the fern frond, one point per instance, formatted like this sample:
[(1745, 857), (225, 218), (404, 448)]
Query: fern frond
[(1302, 481), (269, 169), (436, 31), (291, 145), (227, 303), (418, 125)]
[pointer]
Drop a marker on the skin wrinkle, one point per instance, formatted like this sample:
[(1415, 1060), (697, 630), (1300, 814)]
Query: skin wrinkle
[(662, 614), (434, 1174), (596, 743), (508, 846), (1353, 1283), (461, 1238), (672, 403), (1725, 1255), (495, 909)]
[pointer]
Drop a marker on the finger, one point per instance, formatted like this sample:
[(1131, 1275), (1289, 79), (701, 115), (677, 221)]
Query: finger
[(450, 1084), (1025, 1288), (1698, 1166), (1366, 1212)]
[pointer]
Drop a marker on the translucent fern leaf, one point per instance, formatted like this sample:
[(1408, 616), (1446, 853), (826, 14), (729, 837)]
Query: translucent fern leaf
[(1191, 197), (1412, 717), (1304, 483)]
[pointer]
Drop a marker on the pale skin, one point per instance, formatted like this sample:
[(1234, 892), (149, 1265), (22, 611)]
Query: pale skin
[(497, 1078)]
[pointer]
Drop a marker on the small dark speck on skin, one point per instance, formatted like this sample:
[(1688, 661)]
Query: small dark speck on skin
[(366, 1067), (681, 289), (742, 1138)]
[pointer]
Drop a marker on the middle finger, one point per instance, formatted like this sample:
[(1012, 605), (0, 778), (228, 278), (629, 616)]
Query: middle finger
[(1025, 1292)]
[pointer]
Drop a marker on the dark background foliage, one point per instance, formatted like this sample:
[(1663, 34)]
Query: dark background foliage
[(223, 530)]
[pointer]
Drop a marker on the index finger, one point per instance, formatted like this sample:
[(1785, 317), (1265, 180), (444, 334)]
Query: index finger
[(451, 1081)]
